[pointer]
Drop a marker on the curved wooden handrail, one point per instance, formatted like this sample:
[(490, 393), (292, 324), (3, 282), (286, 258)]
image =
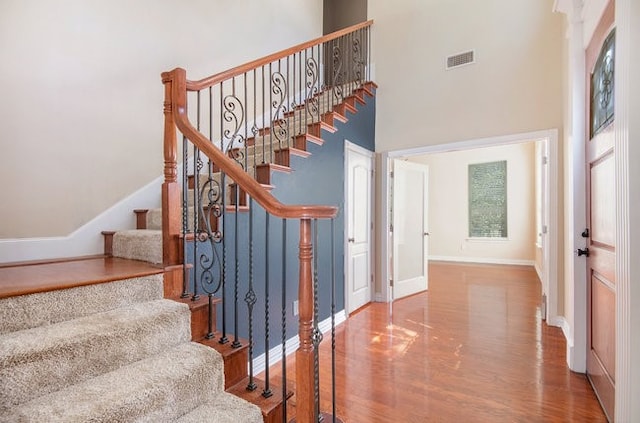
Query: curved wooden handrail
[(178, 80), (238, 70)]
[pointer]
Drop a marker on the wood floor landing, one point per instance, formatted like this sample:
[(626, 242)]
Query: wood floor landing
[(471, 349), (16, 279)]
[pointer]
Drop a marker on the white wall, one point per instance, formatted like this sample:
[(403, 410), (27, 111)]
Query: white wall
[(81, 109), (448, 211), (515, 86)]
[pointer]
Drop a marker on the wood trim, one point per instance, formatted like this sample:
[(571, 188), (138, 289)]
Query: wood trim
[(305, 354), (177, 82), (238, 70)]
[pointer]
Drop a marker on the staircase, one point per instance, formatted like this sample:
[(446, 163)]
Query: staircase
[(106, 352), (150, 335)]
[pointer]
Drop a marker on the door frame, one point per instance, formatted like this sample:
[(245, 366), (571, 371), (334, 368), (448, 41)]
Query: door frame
[(550, 203), (349, 146)]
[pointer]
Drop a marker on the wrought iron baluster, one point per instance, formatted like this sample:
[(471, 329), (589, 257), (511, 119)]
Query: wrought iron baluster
[(185, 217), (264, 134), (368, 54), (284, 320), (223, 223), (254, 129), (267, 385), (197, 166), (317, 335), (250, 298), (333, 321)]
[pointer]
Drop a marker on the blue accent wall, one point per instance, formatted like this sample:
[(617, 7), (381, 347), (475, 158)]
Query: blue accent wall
[(318, 179)]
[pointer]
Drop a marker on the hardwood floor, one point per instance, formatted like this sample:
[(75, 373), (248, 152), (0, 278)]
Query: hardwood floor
[(471, 349)]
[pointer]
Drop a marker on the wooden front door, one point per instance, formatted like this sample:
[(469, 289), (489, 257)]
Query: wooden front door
[(601, 212)]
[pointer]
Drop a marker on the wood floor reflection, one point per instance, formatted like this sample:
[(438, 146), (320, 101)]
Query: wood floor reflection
[(471, 349)]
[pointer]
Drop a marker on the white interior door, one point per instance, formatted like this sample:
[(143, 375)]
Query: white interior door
[(359, 227), (410, 228)]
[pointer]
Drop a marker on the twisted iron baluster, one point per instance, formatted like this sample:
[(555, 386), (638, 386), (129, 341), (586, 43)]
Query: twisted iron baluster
[(250, 298), (317, 335), (333, 322), (267, 390), (185, 217), (284, 319), (223, 222)]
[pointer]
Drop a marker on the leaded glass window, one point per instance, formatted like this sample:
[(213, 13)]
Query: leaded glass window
[(602, 80), (488, 200)]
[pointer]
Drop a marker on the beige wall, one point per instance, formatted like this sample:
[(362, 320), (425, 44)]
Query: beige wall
[(515, 85), (81, 109), (448, 205)]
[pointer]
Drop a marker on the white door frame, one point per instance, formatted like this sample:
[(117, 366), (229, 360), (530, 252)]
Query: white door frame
[(371, 155), (550, 256)]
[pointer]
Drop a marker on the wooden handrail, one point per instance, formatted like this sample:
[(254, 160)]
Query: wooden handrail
[(238, 70), (177, 80)]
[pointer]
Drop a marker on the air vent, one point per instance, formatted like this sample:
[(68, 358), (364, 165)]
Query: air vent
[(461, 59)]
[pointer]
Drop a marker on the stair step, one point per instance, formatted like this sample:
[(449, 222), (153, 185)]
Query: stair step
[(225, 408), (135, 244), (199, 309), (44, 359), (272, 407), (50, 307), (159, 388), (235, 358)]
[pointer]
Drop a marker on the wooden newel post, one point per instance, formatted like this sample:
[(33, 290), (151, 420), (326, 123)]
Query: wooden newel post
[(305, 395), (173, 82)]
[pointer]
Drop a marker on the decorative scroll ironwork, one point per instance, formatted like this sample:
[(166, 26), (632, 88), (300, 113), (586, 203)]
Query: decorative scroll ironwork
[(338, 77), (602, 86), (210, 211), (311, 102), (358, 63), (233, 114), (279, 91)]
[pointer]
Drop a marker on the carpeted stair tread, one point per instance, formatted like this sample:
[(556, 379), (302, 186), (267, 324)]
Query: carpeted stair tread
[(41, 360), (160, 388), (45, 308), (138, 244), (225, 408)]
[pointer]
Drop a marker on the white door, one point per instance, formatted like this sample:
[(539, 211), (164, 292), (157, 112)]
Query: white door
[(410, 229), (359, 227)]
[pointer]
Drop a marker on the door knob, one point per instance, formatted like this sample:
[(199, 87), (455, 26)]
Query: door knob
[(585, 233), (584, 252), (426, 234), (351, 240)]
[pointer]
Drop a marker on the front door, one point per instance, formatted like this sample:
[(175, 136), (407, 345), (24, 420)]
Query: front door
[(410, 194), (601, 212)]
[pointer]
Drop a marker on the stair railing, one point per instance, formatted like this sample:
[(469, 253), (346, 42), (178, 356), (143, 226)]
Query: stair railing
[(254, 116)]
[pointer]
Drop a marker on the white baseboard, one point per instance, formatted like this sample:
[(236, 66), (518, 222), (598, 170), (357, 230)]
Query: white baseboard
[(86, 240), (538, 270), (483, 260), (292, 344)]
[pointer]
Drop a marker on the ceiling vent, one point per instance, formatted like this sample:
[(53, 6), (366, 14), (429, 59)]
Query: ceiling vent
[(461, 59)]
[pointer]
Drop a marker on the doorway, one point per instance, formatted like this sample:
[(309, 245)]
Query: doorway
[(549, 212)]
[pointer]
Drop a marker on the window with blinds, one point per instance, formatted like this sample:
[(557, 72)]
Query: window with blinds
[(488, 200)]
